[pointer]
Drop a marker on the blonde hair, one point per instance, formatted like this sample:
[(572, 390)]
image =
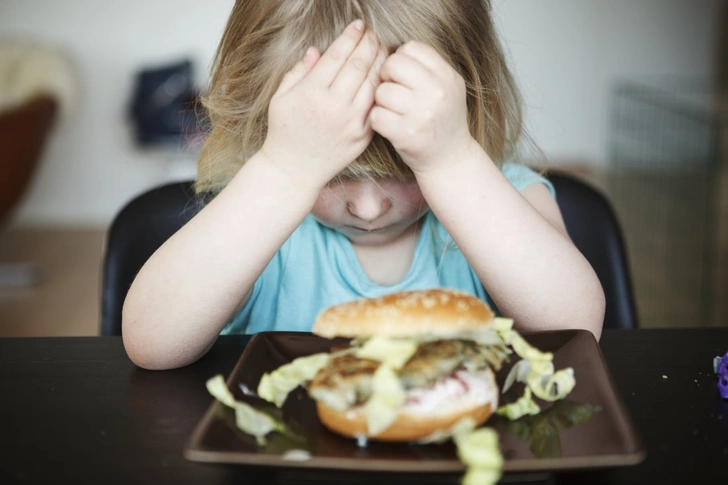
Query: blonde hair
[(263, 39)]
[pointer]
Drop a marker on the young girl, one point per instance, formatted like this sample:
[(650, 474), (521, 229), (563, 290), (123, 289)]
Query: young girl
[(358, 147)]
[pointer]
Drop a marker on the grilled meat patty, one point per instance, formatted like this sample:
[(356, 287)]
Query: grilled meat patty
[(433, 360), (347, 380), (344, 381)]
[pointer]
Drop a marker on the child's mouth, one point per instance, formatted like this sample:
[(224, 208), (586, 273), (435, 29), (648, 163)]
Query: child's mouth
[(368, 230)]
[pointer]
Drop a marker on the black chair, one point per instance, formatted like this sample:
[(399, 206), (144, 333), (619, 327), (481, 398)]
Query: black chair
[(139, 228), (593, 226), (151, 218)]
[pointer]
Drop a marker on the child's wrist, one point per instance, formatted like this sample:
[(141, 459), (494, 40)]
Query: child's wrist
[(281, 180), (471, 156), (301, 179)]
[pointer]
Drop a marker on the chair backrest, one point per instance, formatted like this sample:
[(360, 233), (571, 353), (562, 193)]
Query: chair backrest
[(139, 228), (595, 230), (150, 219)]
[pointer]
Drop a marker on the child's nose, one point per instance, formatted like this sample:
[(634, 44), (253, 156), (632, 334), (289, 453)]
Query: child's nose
[(367, 202)]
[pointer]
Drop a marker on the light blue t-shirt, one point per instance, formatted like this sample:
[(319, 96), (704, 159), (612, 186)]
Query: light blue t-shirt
[(317, 267)]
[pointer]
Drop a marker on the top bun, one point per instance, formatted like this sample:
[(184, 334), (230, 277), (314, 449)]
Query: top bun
[(404, 314)]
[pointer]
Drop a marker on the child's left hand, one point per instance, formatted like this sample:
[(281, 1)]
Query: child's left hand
[(420, 107)]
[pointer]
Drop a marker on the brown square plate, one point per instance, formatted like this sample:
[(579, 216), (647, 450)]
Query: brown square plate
[(590, 428)]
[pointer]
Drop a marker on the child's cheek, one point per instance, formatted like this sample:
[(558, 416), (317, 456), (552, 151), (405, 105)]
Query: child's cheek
[(328, 206), (408, 195)]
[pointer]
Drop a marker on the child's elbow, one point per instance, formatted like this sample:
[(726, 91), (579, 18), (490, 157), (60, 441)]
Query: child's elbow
[(594, 308), (142, 353), (143, 349)]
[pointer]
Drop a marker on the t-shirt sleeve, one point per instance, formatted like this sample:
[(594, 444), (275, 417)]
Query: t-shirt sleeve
[(522, 176), (264, 290)]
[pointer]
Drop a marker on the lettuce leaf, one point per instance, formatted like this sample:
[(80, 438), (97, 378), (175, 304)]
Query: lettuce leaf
[(275, 386), (552, 387), (480, 452), (387, 396), (521, 407), (536, 369), (392, 352), (247, 418)]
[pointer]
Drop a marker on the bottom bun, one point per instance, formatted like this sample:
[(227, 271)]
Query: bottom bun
[(411, 424)]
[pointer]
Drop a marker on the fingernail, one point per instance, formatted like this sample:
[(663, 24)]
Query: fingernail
[(358, 24)]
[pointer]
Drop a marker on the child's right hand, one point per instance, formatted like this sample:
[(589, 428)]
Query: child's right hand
[(318, 118)]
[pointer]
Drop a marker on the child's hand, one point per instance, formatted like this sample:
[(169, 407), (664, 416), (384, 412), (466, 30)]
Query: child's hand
[(420, 107), (318, 119)]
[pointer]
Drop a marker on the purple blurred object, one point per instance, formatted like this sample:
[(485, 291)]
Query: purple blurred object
[(720, 365)]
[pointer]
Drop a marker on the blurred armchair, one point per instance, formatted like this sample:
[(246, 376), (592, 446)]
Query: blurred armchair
[(37, 86), (593, 227), (24, 130)]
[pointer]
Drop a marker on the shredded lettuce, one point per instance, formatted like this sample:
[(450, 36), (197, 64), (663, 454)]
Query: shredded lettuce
[(487, 336), (387, 396), (552, 387), (504, 327), (216, 386), (501, 324), (276, 386), (521, 407), (247, 418), (392, 352), (480, 452), (518, 373), (536, 369)]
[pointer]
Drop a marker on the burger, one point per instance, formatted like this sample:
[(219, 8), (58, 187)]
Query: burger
[(416, 366), (418, 363), (413, 366)]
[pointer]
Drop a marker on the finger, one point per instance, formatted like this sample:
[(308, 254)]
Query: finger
[(425, 54), (386, 123), (300, 70), (338, 52), (357, 67), (405, 70), (394, 97), (365, 95)]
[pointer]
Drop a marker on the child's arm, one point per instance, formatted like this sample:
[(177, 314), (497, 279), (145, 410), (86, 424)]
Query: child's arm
[(192, 285), (516, 242)]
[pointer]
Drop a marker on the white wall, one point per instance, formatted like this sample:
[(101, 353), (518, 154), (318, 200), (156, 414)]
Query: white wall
[(566, 55)]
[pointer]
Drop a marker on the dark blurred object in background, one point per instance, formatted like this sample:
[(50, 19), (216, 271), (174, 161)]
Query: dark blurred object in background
[(164, 106)]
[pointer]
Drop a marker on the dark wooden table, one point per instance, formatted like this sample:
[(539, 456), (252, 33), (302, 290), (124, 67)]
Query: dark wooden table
[(76, 410)]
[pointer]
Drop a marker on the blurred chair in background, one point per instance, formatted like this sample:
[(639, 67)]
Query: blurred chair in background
[(24, 130), (596, 232), (148, 220), (139, 228), (37, 87)]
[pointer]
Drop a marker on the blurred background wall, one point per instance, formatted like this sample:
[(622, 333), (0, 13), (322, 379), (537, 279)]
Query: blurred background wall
[(566, 55)]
